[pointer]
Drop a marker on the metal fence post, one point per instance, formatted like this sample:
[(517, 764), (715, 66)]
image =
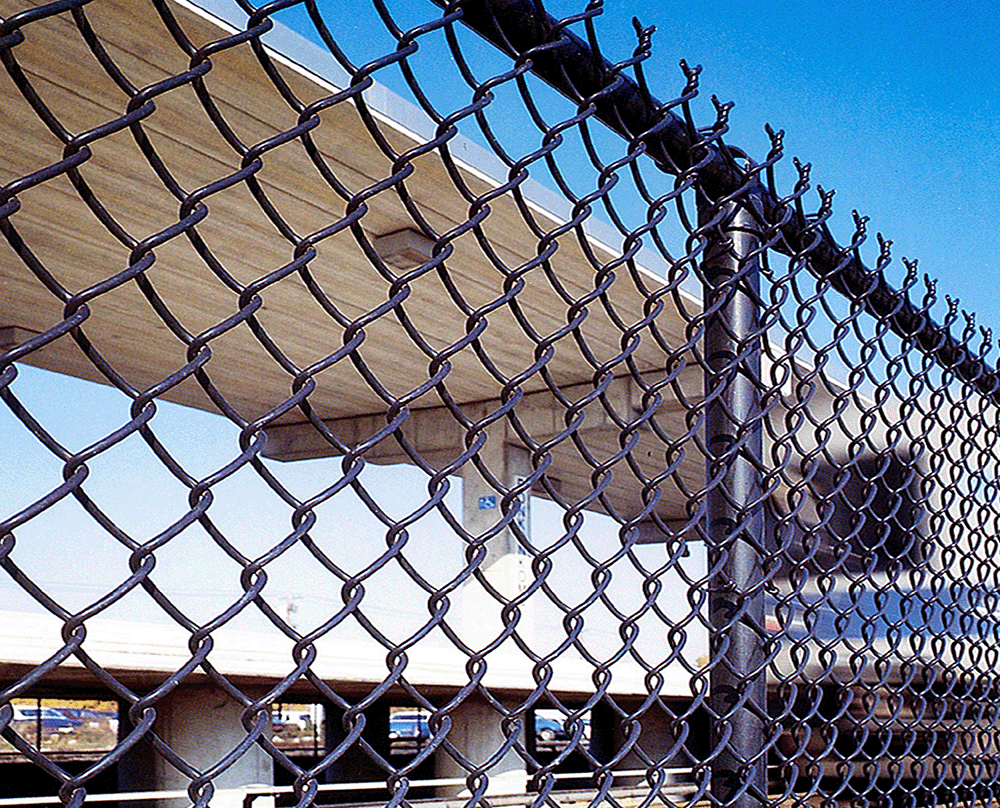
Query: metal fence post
[(735, 518)]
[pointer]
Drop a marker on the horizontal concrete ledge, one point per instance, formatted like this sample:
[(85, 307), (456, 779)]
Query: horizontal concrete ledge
[(142, 654), (145, 653), (435, 433)]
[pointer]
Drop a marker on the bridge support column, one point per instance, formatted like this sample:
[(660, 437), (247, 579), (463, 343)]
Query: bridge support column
[(477, 735), (656, 737), (201, 723), (603, 732), (507, 566), (481, 505), (354, 766)]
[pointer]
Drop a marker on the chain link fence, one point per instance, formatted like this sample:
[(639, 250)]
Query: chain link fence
[(537, 445)]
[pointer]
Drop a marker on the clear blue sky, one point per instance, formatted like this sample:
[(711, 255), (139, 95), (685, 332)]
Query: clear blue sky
[(896, 105)]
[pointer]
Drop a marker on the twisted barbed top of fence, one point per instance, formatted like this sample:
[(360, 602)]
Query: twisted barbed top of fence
[(573, 67)]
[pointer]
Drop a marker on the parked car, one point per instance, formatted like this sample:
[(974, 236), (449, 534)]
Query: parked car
[(52, 720), (548, 729), (409, 726)]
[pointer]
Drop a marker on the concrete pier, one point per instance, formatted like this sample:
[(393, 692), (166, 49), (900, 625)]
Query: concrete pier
[(201, 723), (656, 737), (477, 734), (507, 566)]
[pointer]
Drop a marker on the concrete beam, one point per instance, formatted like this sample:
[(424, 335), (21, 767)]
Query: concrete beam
[(201, 723), (436, 435), (142, 653), (477, 737), (433, 436)]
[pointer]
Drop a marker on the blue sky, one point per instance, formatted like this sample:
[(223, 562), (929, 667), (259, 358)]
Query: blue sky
[(896, 105)]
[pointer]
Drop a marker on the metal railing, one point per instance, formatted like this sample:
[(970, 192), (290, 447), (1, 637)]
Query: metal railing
[(615, 430)]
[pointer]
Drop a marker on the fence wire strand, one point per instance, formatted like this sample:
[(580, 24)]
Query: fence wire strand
[(631, 464)]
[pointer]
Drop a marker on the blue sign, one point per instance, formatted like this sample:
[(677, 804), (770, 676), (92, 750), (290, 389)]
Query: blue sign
[(487, 503)]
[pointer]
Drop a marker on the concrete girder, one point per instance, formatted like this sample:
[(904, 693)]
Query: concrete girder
[(436, 438)]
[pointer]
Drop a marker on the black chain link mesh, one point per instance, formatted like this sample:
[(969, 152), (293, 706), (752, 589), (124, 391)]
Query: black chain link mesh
[(393, 242)]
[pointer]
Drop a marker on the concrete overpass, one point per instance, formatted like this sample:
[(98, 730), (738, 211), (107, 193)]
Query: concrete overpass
[(425, 429), (131, 337)]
